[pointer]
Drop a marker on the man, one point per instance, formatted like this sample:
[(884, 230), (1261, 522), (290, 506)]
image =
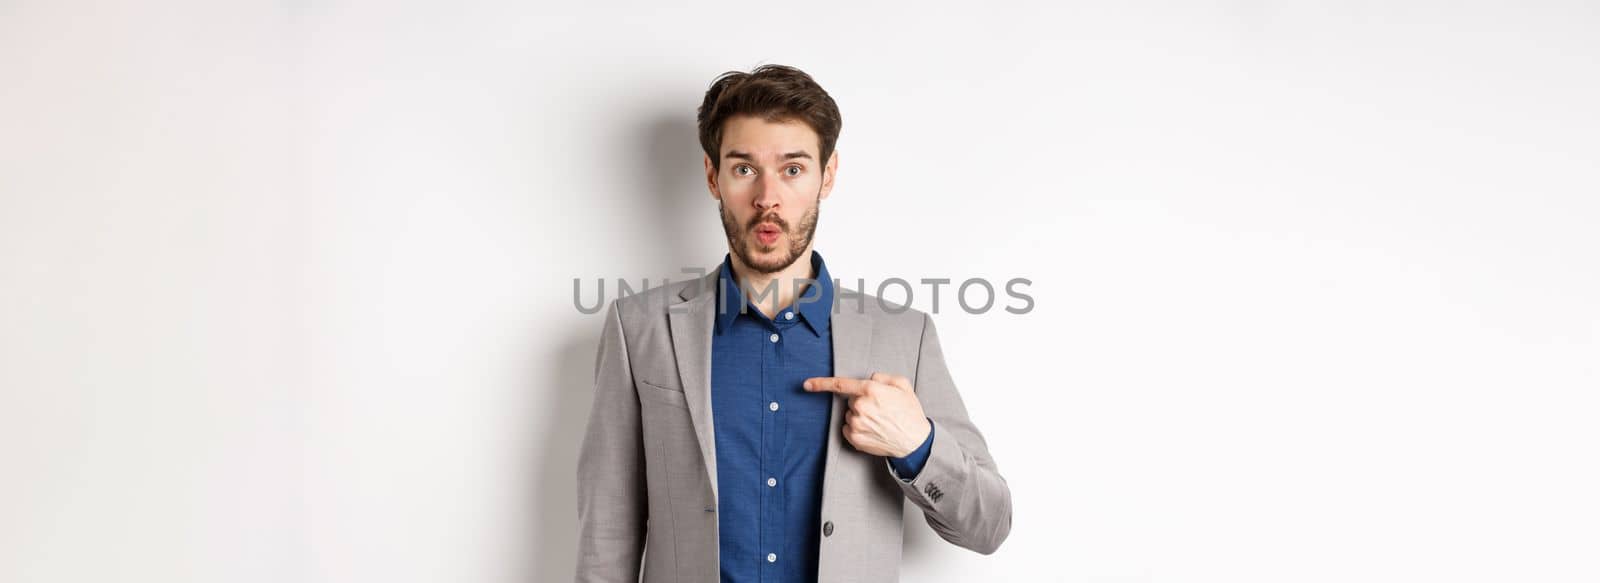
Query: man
[(758, 424)]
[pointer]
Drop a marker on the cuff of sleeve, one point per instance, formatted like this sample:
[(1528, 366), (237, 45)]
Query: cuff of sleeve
[(943, 473), (906, 468)]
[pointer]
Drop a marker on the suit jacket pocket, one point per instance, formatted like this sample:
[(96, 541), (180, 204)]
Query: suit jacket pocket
[(665, 395)]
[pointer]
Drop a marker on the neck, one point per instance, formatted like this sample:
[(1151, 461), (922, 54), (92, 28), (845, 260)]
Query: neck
[(771, 292)]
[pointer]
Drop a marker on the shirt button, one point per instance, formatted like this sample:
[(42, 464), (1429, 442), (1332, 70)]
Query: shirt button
[(772, 481), (788, 315), (773, 406), (773, 337), (772, 557), (827, 528)]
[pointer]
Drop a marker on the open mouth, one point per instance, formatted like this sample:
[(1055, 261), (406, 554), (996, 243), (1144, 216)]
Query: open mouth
[(767, 233)]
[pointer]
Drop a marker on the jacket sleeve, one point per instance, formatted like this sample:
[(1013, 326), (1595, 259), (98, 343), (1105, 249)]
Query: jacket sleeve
[(612, 504), (959, 489)]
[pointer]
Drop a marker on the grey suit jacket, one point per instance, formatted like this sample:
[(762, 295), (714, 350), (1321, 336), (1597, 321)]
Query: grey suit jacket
[(647, 467)]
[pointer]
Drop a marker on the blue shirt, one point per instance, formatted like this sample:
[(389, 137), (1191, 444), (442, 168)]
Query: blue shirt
[(771, 434)]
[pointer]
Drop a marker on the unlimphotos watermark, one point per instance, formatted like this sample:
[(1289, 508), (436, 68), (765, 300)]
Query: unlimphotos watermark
[(975, 295)]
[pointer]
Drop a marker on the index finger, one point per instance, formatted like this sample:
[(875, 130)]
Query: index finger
[(842, 385)]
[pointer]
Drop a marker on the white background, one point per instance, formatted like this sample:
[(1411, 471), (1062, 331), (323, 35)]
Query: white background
[(286, 288)]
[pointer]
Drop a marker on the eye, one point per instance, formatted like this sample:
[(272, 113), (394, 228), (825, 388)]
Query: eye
[(739, 170), (795, 170)]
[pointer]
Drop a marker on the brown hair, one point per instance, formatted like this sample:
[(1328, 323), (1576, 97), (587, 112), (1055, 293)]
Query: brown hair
[(775, 93)]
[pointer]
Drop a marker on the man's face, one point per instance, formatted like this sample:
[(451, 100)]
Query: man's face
[(769, 185)]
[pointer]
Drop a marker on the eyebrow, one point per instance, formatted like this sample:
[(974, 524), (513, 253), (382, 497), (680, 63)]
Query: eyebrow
[(747, 156)]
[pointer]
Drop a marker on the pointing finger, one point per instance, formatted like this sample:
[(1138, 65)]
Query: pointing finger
[(842, 385)]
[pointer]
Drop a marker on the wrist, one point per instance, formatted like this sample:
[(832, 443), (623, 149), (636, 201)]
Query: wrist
[(918, 442)]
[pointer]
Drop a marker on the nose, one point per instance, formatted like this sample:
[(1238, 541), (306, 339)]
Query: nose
[(767, 190)]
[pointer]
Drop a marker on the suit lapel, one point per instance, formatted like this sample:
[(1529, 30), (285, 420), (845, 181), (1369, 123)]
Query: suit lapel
[(691, 323), (852, 344)]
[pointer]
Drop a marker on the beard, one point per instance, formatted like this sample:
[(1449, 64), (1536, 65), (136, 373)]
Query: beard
[(744, 243)]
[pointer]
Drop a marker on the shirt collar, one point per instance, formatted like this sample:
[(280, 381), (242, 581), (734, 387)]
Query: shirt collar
[(814, 305)]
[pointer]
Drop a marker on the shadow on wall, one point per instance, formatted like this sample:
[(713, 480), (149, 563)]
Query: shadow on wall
[(664, 239)]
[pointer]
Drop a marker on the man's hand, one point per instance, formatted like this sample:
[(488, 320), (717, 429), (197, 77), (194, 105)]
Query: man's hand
[(884, 416)]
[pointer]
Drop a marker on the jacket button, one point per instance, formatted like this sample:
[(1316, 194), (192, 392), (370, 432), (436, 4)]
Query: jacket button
[(827, 528)]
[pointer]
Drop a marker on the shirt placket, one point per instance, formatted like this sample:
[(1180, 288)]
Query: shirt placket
[(772, 449)]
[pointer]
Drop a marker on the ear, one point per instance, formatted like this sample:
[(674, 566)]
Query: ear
[(828, 172), (711, 178)]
